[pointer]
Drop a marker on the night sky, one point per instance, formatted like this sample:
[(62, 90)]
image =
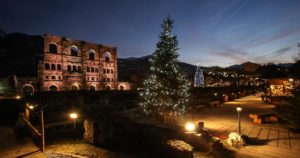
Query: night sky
[(209, 32)]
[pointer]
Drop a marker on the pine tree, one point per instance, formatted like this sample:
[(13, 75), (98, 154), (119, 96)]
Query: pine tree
[(166, 91)]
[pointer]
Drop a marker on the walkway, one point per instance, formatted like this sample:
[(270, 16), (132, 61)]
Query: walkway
[(11, 147), (271, 140)]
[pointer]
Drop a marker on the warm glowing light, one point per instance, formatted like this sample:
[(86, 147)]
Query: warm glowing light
[(31, 107), (189, 127), (216, 94), (291, 80), (18, 97), (73, 116), (239, 109)]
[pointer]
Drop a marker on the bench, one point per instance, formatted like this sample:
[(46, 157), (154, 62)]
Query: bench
[(264, 118)]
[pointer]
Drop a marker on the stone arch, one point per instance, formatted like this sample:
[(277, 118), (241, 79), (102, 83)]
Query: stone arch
[(107, 87), (92, 88), (107, 57), (121, 87), (74, 51), (28, 90), (52, 48), (75, 87), (53, 88)]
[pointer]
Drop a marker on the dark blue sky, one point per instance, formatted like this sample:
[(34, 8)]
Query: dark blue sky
[(220, 32)]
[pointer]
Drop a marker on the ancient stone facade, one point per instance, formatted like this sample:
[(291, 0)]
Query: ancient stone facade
[(77, 65)]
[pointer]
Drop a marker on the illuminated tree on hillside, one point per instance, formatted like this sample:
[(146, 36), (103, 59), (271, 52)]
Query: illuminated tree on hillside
[(166, 91)]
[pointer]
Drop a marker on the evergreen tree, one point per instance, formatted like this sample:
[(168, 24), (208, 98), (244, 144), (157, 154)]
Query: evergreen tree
[(166, 91)]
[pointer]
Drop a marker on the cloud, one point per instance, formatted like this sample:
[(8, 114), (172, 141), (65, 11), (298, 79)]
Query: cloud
[(274, 55), (230, 55), (258, 42)]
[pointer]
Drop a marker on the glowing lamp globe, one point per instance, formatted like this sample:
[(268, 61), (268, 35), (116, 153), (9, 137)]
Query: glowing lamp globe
[(189, 127), (73, 116), (239, 109)]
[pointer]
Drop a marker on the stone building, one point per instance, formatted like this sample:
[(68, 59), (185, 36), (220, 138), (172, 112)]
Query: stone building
[(69, 64)]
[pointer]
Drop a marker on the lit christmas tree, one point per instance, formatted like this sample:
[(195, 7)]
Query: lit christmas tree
[(166, 91)]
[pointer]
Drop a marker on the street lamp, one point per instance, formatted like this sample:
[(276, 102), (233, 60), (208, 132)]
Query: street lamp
[(239, 109), (74, 116)]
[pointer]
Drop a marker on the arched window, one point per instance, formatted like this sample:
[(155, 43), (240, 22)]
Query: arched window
[(74, 68), (79, 68), (96, 69), (92, 55), (69, 67), (53, 88), (74, 51), (92, 69), (53, 67), (107, 88), (88, 69), (28, 90), (107, 57), (111, 71), (58, 67), (104, 71), (52, 48), (47, 66)]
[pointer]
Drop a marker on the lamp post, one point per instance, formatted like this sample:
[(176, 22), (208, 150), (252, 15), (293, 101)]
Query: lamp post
[(74, 116), (239, 109)]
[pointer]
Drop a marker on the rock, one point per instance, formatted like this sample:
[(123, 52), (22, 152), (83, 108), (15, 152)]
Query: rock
[(89, 131), (235, 140)]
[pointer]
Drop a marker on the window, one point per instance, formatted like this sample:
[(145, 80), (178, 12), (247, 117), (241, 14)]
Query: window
[(74, 51), (88, 69), (58, 67), (93, 78), (53, 77), (107, 57), (107, 71), (74, 68), (108, 79), (104, 70), (96, 69), (47, 66), (79, 68), (59, 77), (52, 67), (52, 48), (69, 67), (111, 71), (88, 78), (92, 69), (121, 88), (112, 80), (47, 77), (92, 55)]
